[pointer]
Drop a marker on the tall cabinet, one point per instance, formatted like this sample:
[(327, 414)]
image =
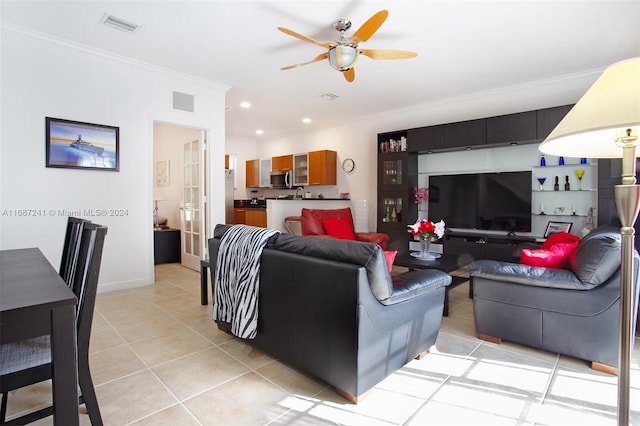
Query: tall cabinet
[(397, 176)]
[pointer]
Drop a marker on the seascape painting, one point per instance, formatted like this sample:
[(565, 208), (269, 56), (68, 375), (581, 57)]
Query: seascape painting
[(74, 144)]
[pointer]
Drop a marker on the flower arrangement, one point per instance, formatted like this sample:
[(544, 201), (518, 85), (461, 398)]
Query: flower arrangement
[(425, 230), (420, 194), (425, 226)]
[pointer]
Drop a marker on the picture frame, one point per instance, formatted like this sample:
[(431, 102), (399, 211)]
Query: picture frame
[(162, 173), (553, 227), (78, 145)]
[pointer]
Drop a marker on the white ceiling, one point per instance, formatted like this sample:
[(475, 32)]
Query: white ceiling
[(463, 47)]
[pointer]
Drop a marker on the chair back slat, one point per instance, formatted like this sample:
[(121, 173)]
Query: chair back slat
[(85, 283), (71, 249)]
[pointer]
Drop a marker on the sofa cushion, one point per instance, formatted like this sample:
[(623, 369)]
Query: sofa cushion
[(311, 219), (368, 255), (559, 238), (598, 256), (339, 228)]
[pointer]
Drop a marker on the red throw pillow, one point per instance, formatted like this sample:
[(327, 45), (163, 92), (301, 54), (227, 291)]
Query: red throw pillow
[(391, 256), (556, 257), (559, 237), (339, 228)]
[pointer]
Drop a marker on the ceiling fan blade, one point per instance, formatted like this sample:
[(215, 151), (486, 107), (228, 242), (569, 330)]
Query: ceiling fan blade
[(320, 57), (387, 54), (325, 44), (370, 27), (349, 74)]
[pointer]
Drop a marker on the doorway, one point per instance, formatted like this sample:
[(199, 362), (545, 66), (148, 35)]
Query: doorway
[(180, 150)]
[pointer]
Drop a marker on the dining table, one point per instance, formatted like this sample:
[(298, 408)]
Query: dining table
[(35, 301)]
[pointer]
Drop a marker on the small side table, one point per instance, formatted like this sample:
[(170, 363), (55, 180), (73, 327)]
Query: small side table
[(166, 246)]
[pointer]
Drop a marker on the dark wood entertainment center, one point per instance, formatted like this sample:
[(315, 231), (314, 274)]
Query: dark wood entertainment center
[(398, 153)]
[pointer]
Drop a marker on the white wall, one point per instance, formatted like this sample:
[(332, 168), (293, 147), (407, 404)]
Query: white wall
[(358, 140), (44, 77)]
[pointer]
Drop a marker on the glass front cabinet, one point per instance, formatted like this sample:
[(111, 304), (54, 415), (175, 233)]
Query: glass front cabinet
[(397, 176)]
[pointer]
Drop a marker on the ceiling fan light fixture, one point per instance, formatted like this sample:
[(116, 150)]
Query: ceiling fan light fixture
[(342, 57)]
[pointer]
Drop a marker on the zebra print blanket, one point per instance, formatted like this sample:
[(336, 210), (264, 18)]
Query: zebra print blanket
[(238, 276)]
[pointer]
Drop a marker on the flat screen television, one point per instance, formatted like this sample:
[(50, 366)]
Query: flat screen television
[(486, 201)]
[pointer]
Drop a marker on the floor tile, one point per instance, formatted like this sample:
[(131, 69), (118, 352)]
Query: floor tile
[(158, 350), (172, 416), (113, 363), (291, 380), (246, 353), (247, 400)]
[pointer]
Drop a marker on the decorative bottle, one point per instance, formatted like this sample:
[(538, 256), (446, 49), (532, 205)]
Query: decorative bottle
[(567, 187), (556, 185), (394, 217), (583, 160), (561, 161), (543, 162)]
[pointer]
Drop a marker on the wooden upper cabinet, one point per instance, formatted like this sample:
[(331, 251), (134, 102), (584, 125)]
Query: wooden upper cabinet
[(282, 163), (548, 119), (252, 173), (425, 139), (465, 133), (511, 128), (322, 167)]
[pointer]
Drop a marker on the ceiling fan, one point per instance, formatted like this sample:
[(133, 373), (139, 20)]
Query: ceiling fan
[(344, 52)]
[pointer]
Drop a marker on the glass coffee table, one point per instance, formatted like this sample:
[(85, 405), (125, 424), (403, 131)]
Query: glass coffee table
[(446, 263)]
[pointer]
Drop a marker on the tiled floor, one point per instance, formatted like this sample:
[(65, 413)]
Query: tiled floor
[(157, 358)]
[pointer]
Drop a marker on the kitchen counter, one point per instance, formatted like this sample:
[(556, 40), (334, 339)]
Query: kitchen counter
[(279, 208)]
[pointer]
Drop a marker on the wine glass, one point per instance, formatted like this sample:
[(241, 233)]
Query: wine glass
[(579, 174), (541, 180)]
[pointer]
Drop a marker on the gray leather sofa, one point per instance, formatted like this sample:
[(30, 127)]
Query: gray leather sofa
[(573, 312), (329, 307)]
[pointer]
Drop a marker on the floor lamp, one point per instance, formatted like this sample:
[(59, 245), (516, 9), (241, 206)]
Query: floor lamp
[(605, 123)]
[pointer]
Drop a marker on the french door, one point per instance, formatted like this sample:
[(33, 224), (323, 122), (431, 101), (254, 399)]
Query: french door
[(193, 203)]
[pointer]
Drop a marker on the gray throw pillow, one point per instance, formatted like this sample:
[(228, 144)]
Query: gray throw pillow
[(597, 257)]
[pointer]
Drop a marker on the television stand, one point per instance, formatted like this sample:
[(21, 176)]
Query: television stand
[(474, 244)]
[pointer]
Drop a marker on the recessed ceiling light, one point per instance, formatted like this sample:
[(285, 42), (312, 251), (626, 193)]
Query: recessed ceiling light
[(306, 120), (245, 104), (119, 23), (259, 132)]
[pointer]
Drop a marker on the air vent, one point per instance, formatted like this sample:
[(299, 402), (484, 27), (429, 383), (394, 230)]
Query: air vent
[(119, 23), (183, 101), (329, 96)]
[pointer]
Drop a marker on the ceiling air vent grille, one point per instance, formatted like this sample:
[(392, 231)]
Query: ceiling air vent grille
[(119, 23)]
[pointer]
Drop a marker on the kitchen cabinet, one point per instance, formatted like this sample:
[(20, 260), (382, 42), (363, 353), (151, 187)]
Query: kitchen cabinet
[(265, 173), (252, 173), (511, 128), (300, 169), (282, 163), (250, 216), (465, 134), (322, 167)]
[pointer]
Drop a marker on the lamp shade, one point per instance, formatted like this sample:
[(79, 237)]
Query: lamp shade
[(605, 112), (342, 57)]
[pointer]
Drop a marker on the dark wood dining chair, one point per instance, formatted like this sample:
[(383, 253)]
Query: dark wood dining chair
[(71, 248), (29, 361)]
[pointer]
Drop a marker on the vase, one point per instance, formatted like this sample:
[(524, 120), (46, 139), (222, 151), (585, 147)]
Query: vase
[(425, 243)]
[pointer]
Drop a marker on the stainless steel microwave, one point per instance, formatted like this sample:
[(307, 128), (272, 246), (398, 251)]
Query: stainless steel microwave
[(281, 179)]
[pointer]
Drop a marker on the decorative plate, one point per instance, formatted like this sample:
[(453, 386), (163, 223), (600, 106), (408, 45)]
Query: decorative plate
[(432, 256)]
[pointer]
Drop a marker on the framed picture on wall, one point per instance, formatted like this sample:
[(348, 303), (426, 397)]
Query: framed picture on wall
[(553, 227), (78, 145), (162, 173)]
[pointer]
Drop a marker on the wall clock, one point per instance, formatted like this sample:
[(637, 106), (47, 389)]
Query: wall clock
[(348, 165)]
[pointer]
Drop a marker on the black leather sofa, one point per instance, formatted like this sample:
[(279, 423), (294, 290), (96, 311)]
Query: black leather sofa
[(329, 307), (571, 311)]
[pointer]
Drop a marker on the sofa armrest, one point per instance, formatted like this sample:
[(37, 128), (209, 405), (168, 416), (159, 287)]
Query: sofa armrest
[(416, 283), (526, 275), (373, 237)]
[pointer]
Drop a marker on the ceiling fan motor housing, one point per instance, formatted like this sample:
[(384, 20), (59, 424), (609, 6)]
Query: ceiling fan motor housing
[(342, 57)]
